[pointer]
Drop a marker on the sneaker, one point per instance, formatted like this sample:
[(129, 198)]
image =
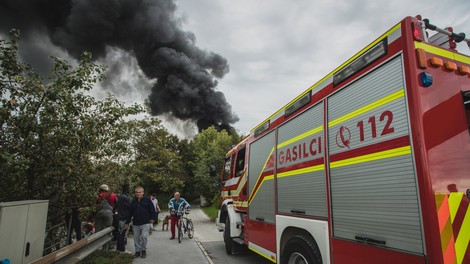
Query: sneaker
[(171, 238), (137, 254), (144, 254)]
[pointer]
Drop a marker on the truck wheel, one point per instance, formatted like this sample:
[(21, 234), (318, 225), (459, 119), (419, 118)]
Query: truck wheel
[(301, 250), (227, 238)]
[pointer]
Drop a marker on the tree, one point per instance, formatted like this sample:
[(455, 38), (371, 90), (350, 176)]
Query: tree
[(54, 135), (158, 165), (210, 146), (188, 156)]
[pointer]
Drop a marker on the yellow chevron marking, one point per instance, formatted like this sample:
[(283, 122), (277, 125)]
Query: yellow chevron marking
[(266, 178), (259, 176), (461, 243), (463, 237), (240, 183), (454, 203)]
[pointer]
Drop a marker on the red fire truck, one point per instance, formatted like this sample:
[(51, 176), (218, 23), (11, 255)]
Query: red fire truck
[(371, 164)]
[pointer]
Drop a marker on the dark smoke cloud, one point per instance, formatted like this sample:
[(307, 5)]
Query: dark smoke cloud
[(148, 29)]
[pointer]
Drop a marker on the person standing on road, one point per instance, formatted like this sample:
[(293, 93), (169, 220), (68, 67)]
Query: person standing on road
[(123, 210), (154, 199), (142, 214), (173, 206), (105, 201)]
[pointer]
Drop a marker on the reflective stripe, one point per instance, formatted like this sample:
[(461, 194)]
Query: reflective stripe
[(262, 252), (454, 203), (265, 178), (241, 203), (445, 228), (442, 52), (382, 101), (455, 235), (301, 171), (371, 157), (259, 177), (463, 231), (301, 136), (461, 244), (240, 181)]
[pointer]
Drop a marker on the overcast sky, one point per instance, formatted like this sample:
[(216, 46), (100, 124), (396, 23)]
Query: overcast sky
[(276, 49)]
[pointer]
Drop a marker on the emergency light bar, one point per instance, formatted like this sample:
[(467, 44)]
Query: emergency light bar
[(373, 54)]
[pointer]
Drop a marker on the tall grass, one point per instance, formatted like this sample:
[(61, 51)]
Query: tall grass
[(211, 211)]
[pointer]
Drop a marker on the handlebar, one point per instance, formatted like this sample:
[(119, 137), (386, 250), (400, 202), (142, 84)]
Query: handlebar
[(181, 212)]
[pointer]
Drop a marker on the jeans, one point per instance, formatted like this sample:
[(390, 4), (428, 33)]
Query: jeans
[(121, 238), (141, 234)]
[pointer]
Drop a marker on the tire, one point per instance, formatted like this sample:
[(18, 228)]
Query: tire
[(227, 238), (301, 250), (190, 229), (180, 232)]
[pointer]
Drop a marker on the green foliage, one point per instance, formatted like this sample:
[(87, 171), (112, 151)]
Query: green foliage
[(188, 157), (210, 146), (158, 165), (54, 135)]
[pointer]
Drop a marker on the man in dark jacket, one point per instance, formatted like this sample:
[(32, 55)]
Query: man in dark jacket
[(143, 215), (123, 209)]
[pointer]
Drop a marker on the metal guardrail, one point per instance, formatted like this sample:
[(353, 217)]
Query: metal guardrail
[(79, 250)]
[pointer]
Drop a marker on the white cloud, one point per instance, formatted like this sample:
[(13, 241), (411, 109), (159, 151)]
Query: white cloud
[(278, 48)]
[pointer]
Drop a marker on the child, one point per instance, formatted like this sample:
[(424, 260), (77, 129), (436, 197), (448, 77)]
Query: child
[(88, 230)]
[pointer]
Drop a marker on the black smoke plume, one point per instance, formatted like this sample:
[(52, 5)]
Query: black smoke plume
[(148, 29)]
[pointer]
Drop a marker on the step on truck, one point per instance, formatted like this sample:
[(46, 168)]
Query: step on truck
[(371, 164)]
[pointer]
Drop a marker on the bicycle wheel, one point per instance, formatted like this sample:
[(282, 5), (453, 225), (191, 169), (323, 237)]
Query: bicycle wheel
[(190, 229), (180, 231)]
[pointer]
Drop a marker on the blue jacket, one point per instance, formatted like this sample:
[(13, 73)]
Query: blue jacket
[(173, 204), (141, 211), (123, 206)]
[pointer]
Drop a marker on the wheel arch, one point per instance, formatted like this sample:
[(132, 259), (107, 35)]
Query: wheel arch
[(291, 232), (224, 210), (317, 231)]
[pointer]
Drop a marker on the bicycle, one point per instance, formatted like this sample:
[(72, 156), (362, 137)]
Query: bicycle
[(184, 224)]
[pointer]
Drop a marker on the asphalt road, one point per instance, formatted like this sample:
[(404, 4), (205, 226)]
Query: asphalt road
[(207, 247)]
